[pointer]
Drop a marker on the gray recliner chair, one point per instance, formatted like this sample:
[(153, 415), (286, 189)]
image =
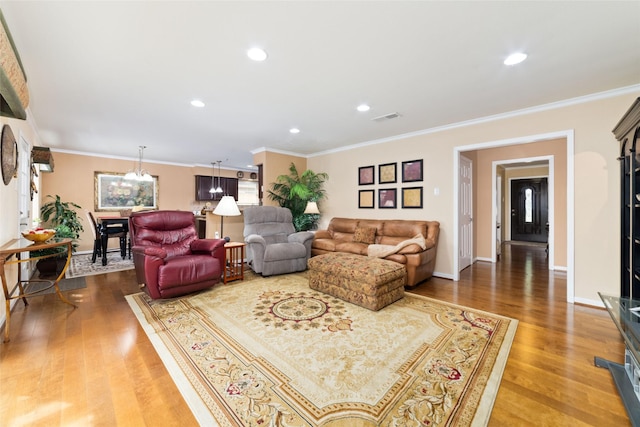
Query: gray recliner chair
[(273, 245)]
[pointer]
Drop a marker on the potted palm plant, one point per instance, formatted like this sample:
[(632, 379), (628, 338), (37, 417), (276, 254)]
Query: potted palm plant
[(62, 217), (293, 191)]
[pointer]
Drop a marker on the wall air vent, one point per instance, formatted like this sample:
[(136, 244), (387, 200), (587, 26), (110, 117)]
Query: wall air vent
[(385, 117)]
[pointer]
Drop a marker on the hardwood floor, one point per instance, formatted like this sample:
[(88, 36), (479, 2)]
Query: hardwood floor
[(94, 366)]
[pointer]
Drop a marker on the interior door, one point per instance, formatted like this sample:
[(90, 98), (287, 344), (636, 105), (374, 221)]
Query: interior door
[(24, 195), (529, 210), (465, 208)]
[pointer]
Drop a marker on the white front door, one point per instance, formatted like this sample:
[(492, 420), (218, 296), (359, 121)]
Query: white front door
[(465, 207)]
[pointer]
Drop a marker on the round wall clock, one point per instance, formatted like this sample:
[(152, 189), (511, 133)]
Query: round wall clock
[(8, 154), (240, 174)]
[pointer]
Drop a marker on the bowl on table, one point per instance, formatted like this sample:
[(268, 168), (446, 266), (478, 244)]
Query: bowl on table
[(39, 235)]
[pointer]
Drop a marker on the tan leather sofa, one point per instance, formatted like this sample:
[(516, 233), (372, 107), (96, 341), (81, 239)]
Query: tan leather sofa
[(353, 235)]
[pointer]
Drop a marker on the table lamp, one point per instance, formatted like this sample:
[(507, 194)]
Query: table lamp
[(226, 207), (312, 208)]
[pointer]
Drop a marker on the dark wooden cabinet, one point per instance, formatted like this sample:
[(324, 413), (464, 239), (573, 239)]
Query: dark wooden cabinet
[(201, 227), (627, 131), (204, 183)]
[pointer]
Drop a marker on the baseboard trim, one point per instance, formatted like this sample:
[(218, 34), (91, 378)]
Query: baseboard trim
[(443, 275), (590, 302)]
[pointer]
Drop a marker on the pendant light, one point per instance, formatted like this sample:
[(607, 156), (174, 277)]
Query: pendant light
[(138, 173), (213, 189)]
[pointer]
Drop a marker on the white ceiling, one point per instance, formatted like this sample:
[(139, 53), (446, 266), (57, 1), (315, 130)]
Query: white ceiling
[(106, 77)]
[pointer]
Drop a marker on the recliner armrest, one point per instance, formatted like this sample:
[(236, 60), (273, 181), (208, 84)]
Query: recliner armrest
[(255, 238), (206, 245), (300, 237)]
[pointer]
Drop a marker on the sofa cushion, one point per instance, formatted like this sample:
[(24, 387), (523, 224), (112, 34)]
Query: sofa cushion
[(352, 248), (365, 235)]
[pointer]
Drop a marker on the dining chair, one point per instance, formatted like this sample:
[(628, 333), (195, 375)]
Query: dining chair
[(112, 232)]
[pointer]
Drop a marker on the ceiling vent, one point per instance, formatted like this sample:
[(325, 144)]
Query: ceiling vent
[(386, 117)]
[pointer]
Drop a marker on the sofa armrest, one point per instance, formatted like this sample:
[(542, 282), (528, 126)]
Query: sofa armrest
[(323, 234)]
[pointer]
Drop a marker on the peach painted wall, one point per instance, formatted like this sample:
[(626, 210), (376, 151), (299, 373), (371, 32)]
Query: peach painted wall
[(273, 165), (595, 192), (73, 180)]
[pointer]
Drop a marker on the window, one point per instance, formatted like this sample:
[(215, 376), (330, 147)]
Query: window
[(528, 205), (248, 192)]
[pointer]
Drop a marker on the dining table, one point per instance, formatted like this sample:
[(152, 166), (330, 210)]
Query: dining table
[(104, 222)]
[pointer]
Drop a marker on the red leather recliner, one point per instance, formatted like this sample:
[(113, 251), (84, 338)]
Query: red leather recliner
[(169, 258)]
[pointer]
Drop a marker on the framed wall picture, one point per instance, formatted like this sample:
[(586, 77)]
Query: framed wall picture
[(366, 175), (113, 192), (412, 171), (387, 173), (387, 198), (412, 197), (366, 199)]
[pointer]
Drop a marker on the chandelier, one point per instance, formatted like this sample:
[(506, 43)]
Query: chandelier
[(139, 174)]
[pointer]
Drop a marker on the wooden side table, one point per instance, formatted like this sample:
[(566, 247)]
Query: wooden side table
[(233, 261), (18, 247)]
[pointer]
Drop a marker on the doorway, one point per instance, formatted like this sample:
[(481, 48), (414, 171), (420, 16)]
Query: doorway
[(566, 138), (529, 210)]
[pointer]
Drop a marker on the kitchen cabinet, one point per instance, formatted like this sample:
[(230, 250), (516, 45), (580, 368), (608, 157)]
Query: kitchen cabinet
[(204, 183)]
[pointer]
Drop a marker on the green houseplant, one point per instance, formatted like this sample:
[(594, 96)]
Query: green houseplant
[(294, 190), (62, 217)]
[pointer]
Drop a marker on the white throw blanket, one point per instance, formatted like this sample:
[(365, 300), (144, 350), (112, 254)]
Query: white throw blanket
[(381, 251)]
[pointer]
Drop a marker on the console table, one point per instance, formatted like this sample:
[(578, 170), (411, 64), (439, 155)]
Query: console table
[(18, 247), (625, 313)]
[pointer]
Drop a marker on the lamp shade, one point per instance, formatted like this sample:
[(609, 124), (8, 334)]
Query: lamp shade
[(227, 207), (312, 208)]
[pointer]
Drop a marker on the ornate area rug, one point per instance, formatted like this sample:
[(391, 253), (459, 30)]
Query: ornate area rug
[(273, 352), (81, 265), (64, 285)]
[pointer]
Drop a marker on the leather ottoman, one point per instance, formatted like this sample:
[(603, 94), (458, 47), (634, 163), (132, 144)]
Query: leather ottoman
[(371, 283)]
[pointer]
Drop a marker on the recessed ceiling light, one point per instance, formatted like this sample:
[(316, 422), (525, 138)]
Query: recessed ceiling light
[(515, 58), (257, 54), (363, 108), (197, 103), (294, 130)]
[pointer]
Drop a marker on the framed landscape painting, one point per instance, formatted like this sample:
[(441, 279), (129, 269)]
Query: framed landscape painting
[(113, 192)]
